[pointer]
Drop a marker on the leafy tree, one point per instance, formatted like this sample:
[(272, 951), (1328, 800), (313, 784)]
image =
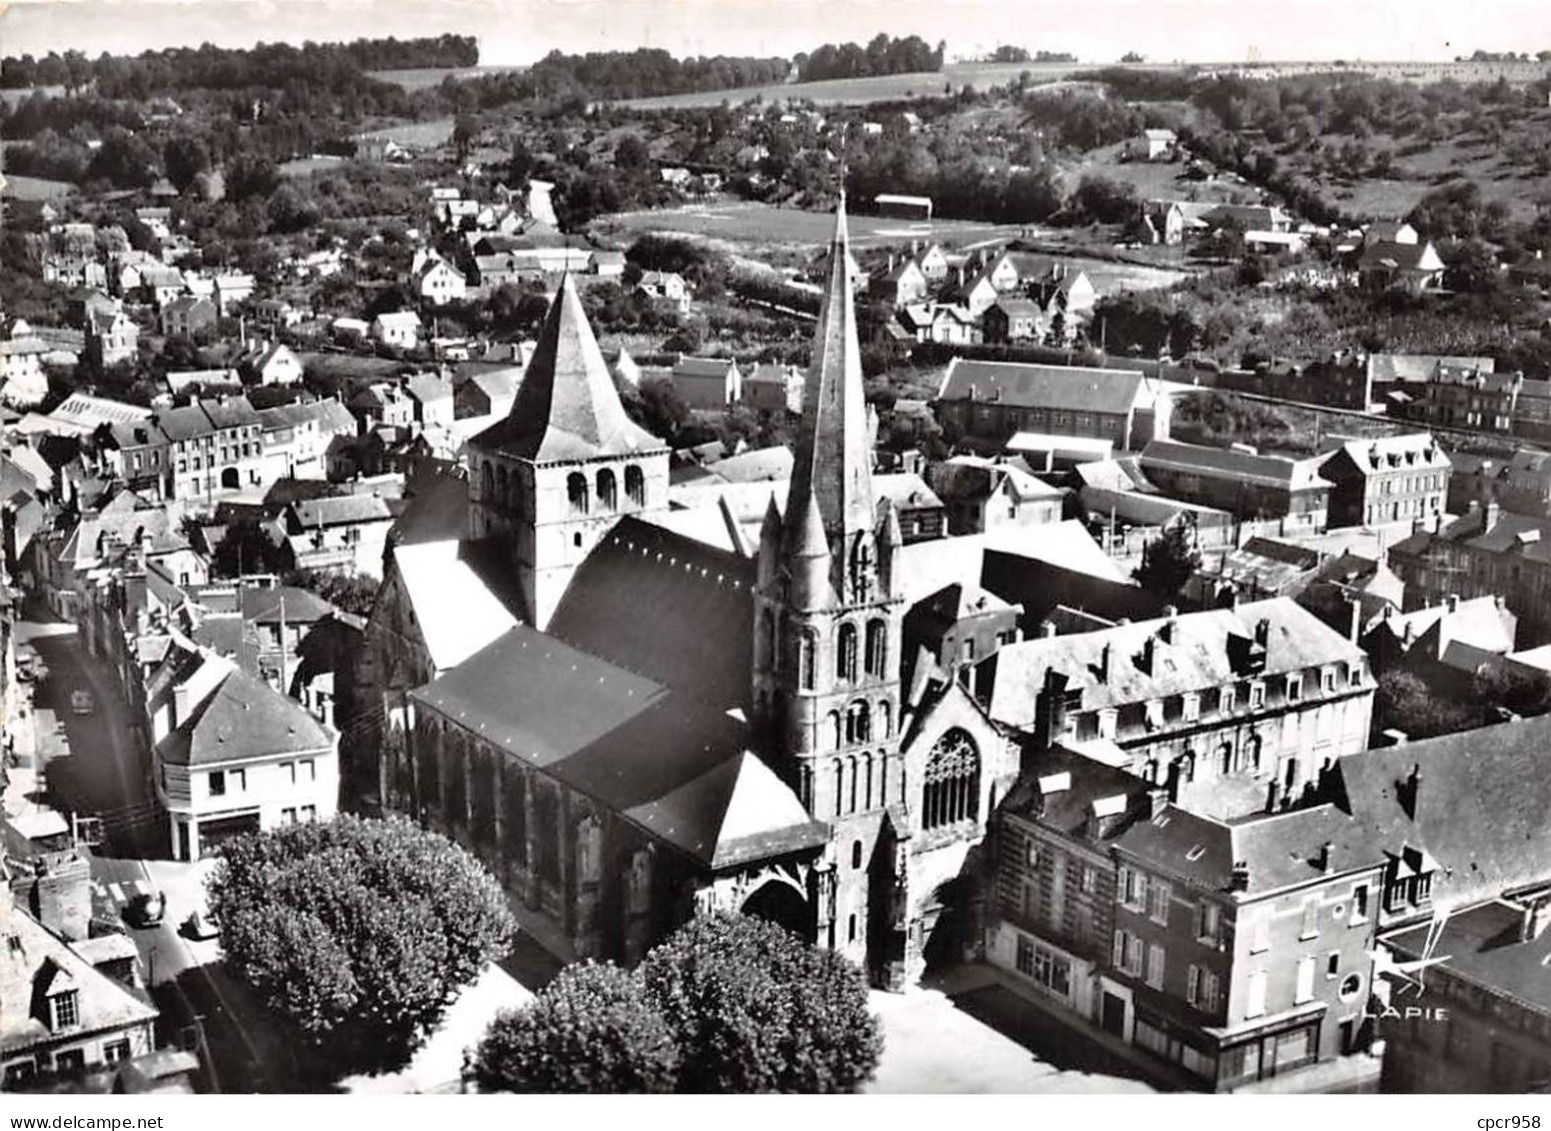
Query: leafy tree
[(1168, 561), (591, 1030), (755, 1009), (357, 933), (1404, 703)]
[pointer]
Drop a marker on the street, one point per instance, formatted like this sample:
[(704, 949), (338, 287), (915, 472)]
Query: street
[(97, 766)]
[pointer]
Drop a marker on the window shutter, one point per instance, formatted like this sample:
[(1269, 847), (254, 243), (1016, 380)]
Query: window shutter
[(1256, 1004), (1193, 984), (1119, 957), (1136, 954), (1305, 990)]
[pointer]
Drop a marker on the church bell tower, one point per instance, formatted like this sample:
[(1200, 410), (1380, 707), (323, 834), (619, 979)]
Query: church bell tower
[(829, 608)]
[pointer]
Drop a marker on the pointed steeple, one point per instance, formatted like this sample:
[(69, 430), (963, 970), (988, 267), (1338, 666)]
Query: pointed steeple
[(567, 407), (834, 461)]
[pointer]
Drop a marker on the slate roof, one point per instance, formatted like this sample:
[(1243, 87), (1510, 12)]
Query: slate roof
[(33, 957), (1197, 459), (973, 477), (460, 597), (1279, 850), (1198, 657), (1114, 392), (1416, 450), (665, 605), (1480, 623), (339, 510), (1388, 254), (243, 718), (428, 387), (717, 367), (659, 758), (567, 407), (1510, 533), (437, 511), (1483, 946), (1480, 808), (302, 606), (1416, 367)]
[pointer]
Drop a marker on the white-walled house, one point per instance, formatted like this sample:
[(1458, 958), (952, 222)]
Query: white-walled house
[(232, 754)]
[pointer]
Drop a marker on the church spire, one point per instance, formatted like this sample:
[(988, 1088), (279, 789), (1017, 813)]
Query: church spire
[(833, 471)]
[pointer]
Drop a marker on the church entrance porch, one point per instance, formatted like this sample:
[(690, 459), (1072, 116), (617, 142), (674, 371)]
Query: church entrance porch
[(782, 904)]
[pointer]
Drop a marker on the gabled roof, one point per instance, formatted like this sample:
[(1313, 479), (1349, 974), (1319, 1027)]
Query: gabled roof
[(428, 387), (1198, 459), (340, 510), (34, 959), (460, 603), (1061, 387), (1402, 256), (658, 757), (717, 367), (1413, 451), (1480, 623), (1479, 808), (567, 407)]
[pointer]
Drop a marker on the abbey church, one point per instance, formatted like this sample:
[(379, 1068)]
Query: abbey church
[(630, 724)]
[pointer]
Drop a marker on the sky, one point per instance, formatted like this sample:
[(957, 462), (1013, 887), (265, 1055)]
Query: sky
[(519, 31)]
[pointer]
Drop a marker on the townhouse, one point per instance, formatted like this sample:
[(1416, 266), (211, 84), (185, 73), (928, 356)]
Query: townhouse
[(1386, 479), (1232, 710)]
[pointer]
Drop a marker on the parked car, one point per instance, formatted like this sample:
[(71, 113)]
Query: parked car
[(199, 926), (145, 910), (82, 703)]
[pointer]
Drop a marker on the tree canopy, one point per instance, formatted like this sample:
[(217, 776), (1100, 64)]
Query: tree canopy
[(357, 933), (590, 1030), (1168, 561), (755, 1009)]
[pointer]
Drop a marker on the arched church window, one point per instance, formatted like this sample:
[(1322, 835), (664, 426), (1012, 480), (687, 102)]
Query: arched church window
[(885, 723), (877, 646), (486, 483), (845, 653), (635, 486), (858, 724), (835, 735), (951, 790), (576, 492), (608, 493), (807, 649)]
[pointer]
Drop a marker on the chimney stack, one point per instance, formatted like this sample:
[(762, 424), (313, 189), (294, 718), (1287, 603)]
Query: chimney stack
[(1047, 629), (1239, 879), (1453, 602), (1263, 631), (1413, 790), (1537, 914), (1327, 854), (1170, 626)]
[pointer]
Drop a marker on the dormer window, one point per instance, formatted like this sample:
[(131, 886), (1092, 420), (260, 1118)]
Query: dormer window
[(1190, 707), (1328, 679), (1226, 700), (1107, 720), (1154, 713), (1257, 695), (1295, 687), (65, 1008)]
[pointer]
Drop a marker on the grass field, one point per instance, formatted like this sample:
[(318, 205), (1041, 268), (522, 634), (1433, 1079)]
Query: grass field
[(764, 231), (36, 188), (421, 77), (879, 88), (307, 166), (417, 135), (12, 97)]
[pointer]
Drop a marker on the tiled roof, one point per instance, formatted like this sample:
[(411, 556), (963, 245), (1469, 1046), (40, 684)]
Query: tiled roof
[(1402, 256), (1107, 666), (567, 407), (427, 387), (1068, 388)]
